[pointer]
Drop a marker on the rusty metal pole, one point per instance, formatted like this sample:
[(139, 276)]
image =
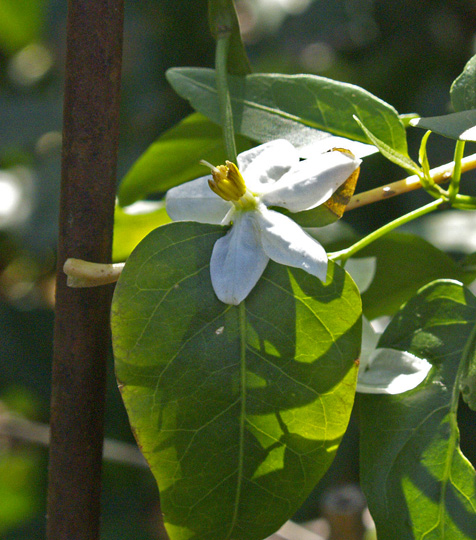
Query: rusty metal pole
[(90, 140)]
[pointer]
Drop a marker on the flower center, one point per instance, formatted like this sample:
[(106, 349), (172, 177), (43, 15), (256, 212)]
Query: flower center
[(227, 182)]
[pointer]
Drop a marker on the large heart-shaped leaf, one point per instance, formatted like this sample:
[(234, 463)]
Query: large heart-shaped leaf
[(239, 410), (418, 483), (301, 108)]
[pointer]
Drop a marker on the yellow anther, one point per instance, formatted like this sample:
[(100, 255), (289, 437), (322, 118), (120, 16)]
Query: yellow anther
[(227, 181)]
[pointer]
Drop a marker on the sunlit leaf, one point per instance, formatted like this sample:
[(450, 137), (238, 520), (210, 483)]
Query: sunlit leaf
[(301, 108), (239, 410), (417, 482), (134, 223), (463, 89)]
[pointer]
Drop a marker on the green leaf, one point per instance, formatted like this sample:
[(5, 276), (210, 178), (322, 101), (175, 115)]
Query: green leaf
[(405, 263), (222, 17), (299, 108), (417, 482), (175, 158), (134, 224), (239, 410), (460, 125), (463, 89), (402, 159)]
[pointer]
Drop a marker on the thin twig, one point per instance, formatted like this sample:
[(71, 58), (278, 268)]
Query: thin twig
[(439, 175)]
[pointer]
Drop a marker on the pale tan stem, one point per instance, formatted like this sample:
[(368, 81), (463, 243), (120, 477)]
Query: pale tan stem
[(88, 274), (439, 175)]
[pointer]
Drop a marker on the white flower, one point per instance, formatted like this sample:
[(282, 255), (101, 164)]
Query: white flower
[(267, 175)]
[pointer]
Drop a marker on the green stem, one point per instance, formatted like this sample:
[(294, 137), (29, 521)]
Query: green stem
[(345, 254), (464, 202), (456, 176), (226, 112)]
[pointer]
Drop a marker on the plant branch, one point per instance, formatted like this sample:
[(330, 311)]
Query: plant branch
[(439, 174)]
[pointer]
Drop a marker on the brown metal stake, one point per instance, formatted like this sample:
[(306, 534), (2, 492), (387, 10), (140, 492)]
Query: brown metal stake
[(90, 140)]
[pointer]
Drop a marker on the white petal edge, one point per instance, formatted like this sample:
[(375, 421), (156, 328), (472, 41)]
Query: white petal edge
[(286, 243), (311, 182), (267, 163), (237, 261), (390, 371), (195, 201)]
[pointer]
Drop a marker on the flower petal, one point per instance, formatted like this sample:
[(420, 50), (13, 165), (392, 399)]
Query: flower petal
[(390, 371), (266, 163), (195, 201), (285, 242), (311, 182), (237, 261)]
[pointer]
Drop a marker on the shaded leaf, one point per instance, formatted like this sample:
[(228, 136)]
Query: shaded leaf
[(468, 373), (301, 108), (175, 158), (459, 125), (417, 482), (362, 271), (239, 410), (222, 17), (394, 282), (463, 89)]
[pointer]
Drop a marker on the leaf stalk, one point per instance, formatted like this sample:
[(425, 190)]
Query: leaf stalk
[(226, 112), (345, 254)]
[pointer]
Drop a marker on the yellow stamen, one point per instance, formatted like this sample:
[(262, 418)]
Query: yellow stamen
[(227, 181)]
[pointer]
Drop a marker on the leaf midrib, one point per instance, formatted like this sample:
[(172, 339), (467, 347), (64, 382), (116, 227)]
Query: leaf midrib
[(288, 116), (241, 442), (276, 112)]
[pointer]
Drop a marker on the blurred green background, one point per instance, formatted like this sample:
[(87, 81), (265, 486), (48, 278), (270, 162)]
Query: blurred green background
[(405, 52)]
